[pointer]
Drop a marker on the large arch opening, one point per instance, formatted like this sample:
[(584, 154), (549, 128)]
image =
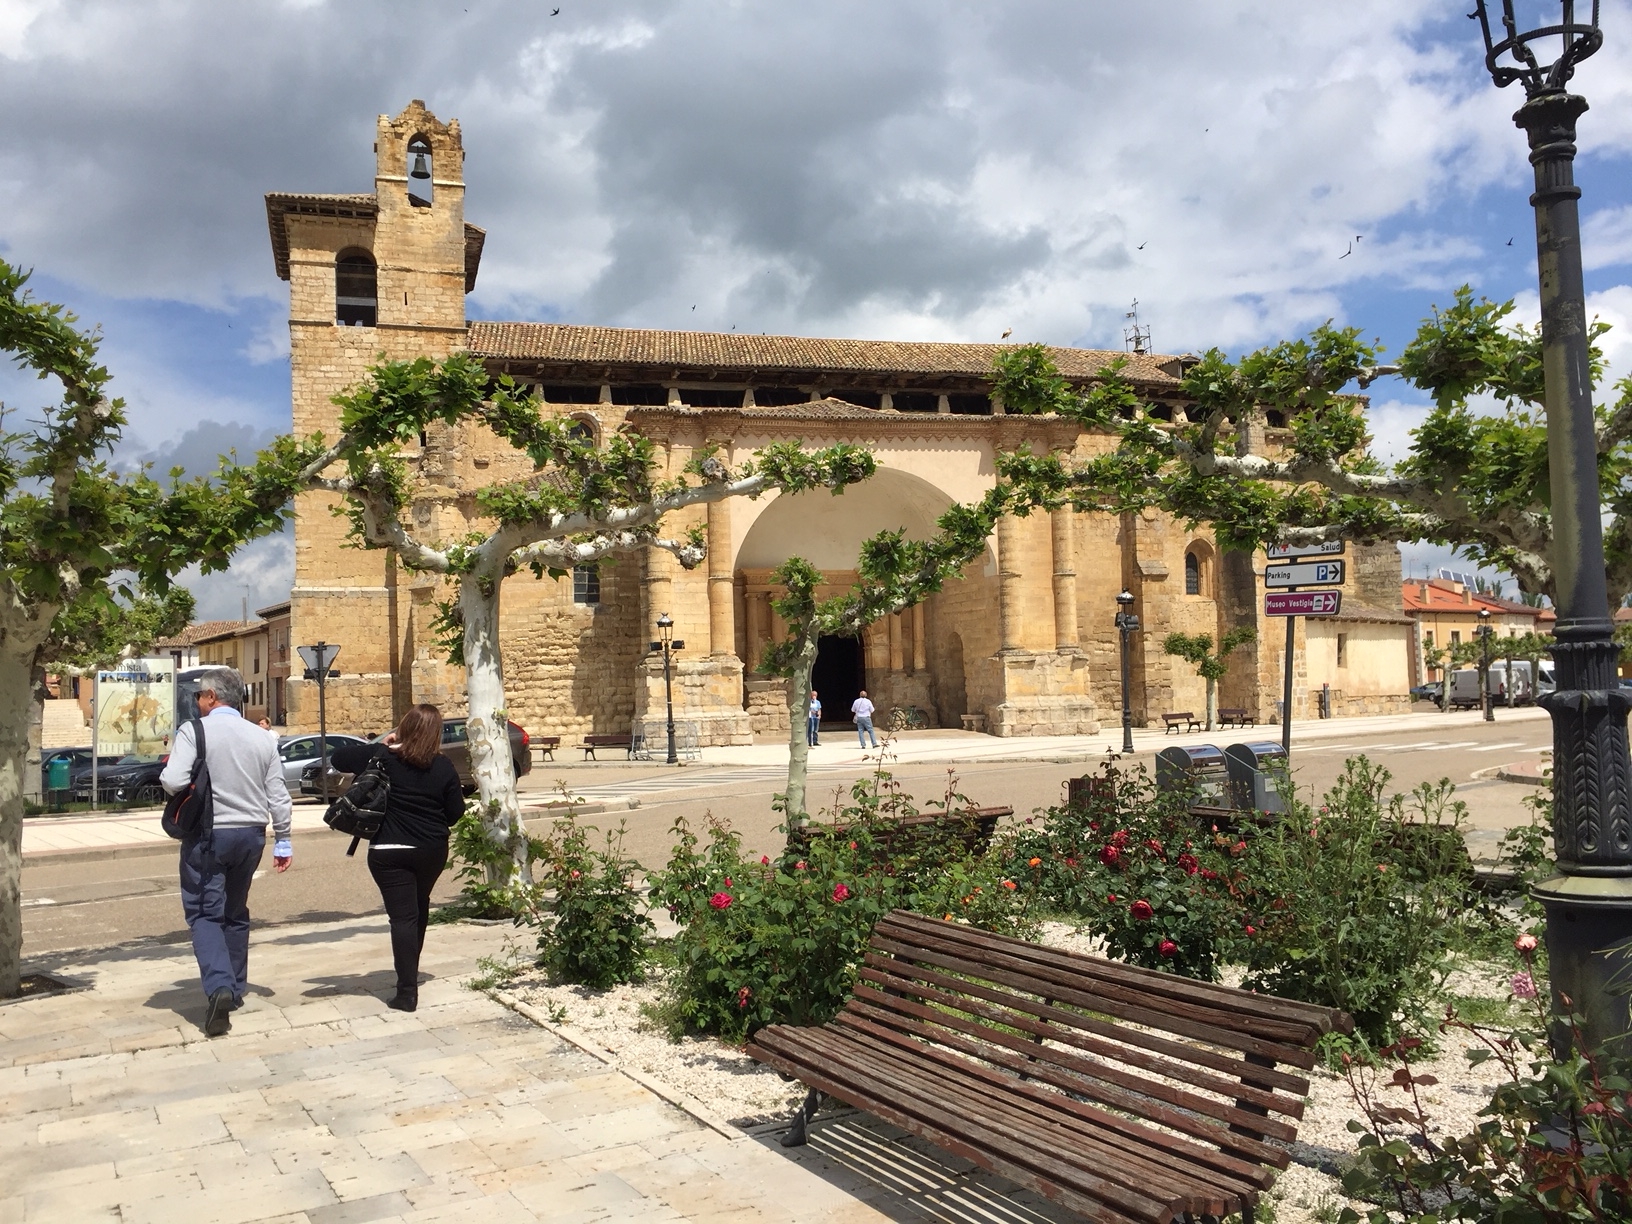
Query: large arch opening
[(896, 659)]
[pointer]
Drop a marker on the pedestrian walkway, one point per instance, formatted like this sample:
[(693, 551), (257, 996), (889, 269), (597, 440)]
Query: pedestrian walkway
[(324, 1107)]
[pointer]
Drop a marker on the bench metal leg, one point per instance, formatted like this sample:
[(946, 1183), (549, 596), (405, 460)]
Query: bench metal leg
[(796, 1136)]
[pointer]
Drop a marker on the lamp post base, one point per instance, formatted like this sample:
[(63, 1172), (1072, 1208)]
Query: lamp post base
[(1589, 957)]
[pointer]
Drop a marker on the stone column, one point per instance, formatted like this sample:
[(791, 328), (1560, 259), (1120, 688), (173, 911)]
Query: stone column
[(1008, 582), (756, 629), (659, 590), (1063, 525), (897, 662), (722, 629), (919, 661)]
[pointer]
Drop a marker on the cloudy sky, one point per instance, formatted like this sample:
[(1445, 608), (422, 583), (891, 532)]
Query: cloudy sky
[(915, 169)]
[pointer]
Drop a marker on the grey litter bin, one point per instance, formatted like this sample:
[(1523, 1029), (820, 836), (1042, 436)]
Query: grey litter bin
[(1198, 768), (1254, 769)]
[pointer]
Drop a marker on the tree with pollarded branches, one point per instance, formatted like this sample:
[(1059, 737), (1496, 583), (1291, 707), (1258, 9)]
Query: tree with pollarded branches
[(1211, 665), (88, 553), (893, 574), (1471, 480), (582, 501)]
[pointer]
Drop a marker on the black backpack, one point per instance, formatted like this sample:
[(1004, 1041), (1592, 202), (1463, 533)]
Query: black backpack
[(189, 814), (362, 808)]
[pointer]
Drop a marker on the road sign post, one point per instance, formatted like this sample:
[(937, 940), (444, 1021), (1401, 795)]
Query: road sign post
[(1289, 552), (1304, 574), (1303, 603), (1292, 603)]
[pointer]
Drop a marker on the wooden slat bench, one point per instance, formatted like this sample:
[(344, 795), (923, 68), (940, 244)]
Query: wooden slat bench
[(1121, 1093), (592, 742), (546, 745), (1187, 720), (972, 826), (1235, 717)]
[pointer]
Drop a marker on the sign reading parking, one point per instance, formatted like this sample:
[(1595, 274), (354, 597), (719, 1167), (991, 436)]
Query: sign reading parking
[(1302, 603), (1312, 573), (1286, 552)]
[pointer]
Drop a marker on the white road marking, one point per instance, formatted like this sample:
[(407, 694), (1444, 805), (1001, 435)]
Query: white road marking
[(1499, 747), (38, 901)]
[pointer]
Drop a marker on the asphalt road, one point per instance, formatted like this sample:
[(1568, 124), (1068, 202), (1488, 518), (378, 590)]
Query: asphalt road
[(95, 902)]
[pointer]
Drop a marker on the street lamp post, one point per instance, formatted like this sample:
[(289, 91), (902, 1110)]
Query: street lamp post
[(667, 644), (1484, 677), (319, 659), (1126, 622), (1589, 901)]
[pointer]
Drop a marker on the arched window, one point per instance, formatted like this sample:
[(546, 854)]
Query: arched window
[(420, 191), (356, 289), (1198, 569), (1192, 574), (583, 429)]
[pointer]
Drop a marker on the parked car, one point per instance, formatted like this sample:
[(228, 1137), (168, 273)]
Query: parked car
[(76, 757), (299, 752), (455, 747), (130, 779), (1428, 692)]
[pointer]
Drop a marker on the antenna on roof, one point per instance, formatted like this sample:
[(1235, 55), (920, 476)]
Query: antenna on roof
[(1136, 339)]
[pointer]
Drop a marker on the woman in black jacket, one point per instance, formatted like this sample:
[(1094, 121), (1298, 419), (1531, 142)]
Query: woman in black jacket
[(411, 848)]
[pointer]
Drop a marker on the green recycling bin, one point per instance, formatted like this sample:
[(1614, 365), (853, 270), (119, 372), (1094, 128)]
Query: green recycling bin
[(56, 775)]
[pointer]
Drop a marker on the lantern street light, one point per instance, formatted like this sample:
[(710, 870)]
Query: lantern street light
[(667, 644), (1127, 621), (1589, 901), (1484, 640), (319, 659)]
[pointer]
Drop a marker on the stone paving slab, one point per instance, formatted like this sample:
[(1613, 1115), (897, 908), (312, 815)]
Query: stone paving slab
[(322, 1106)]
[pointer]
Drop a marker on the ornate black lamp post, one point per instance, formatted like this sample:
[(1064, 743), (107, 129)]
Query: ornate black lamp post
[(1126, 622), (1484, 675), (1589, 901), (667, 644)]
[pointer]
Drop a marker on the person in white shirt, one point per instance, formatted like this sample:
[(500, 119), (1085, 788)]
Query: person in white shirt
[(246, 783), (813, 721), (861, 713)]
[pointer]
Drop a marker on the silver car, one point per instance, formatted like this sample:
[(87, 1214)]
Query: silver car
[(299, 751)]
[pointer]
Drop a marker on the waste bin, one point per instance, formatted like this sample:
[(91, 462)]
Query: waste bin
[(56, 774), (1254, 769), (1199, 769)]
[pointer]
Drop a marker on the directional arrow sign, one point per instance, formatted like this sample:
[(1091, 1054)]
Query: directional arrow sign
[(1285, 552), (1302, 603), (1311, 573)]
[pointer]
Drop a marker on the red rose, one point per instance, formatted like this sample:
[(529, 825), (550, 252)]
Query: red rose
[(1110, 856), (1142, 910), (720, 900), (1120, 837), (1167, 947), (1093, 826), (1154, 844), (852, 845), (764, 860), (728, 881), (840, 892), (1187, 864), (1251, 930), (1070, 862), (800, 865), (742, 996), (1207, 873), (1110, 898)]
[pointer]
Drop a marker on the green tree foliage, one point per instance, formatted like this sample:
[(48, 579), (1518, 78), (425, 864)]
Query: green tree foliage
[(1474, 480), (1211, 665), (87, 553), (581, 501)]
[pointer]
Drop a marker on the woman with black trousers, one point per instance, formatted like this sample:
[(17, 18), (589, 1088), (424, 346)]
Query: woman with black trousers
[(411, 848)]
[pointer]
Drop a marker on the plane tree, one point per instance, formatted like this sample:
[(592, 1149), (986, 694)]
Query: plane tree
[(1475, 477), (87, 551), (581, 501)]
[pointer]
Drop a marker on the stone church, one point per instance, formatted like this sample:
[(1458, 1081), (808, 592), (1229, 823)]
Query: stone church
[(1023, 644)]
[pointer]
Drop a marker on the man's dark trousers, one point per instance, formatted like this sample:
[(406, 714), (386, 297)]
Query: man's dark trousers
[(216, 905)]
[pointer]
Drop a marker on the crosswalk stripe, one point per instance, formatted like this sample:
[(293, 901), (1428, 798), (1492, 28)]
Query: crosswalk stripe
[(1499, 747)]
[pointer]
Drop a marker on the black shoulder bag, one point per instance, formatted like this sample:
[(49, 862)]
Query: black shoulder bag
[(189, 814), (362, 808)]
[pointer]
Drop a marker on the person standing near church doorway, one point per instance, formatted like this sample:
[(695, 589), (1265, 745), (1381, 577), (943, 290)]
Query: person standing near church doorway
[(813, 721), (861, 713)]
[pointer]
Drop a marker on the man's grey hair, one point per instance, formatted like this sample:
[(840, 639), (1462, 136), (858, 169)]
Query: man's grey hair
[(226, 684)]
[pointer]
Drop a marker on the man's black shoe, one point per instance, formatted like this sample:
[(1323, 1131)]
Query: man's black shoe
[(218, 1016), (404, 1000)]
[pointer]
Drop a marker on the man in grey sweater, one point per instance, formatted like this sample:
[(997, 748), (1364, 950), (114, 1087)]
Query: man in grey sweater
[(246, 782)]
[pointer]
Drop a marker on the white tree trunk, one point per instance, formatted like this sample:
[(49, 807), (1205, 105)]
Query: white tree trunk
[(21, 634), (488, 733), (798, 712), (1212, 702)]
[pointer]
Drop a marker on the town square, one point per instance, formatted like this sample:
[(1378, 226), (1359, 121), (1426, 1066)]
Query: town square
[(706, 612)]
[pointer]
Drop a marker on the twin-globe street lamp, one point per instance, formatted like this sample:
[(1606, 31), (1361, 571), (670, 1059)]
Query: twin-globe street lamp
[(1484, 640), (667, 644), (1589, 901), (1126, 622)]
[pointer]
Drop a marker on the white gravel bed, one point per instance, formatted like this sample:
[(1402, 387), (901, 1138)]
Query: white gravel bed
[(748, 1094)]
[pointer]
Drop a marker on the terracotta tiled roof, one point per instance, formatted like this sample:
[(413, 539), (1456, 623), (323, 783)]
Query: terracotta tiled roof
[(1438, 595), (200, 631), (566, 342), (279, 204), (828, 409)]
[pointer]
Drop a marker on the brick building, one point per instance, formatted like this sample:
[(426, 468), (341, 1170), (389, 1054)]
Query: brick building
[(1024, 640)]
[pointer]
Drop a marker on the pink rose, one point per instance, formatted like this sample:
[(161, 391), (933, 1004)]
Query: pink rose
[(720, 900), (1523, 986), (841, 892), (1525, 943), (800, 865)]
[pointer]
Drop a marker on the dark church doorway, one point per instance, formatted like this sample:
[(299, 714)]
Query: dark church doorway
[(838, 676)]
